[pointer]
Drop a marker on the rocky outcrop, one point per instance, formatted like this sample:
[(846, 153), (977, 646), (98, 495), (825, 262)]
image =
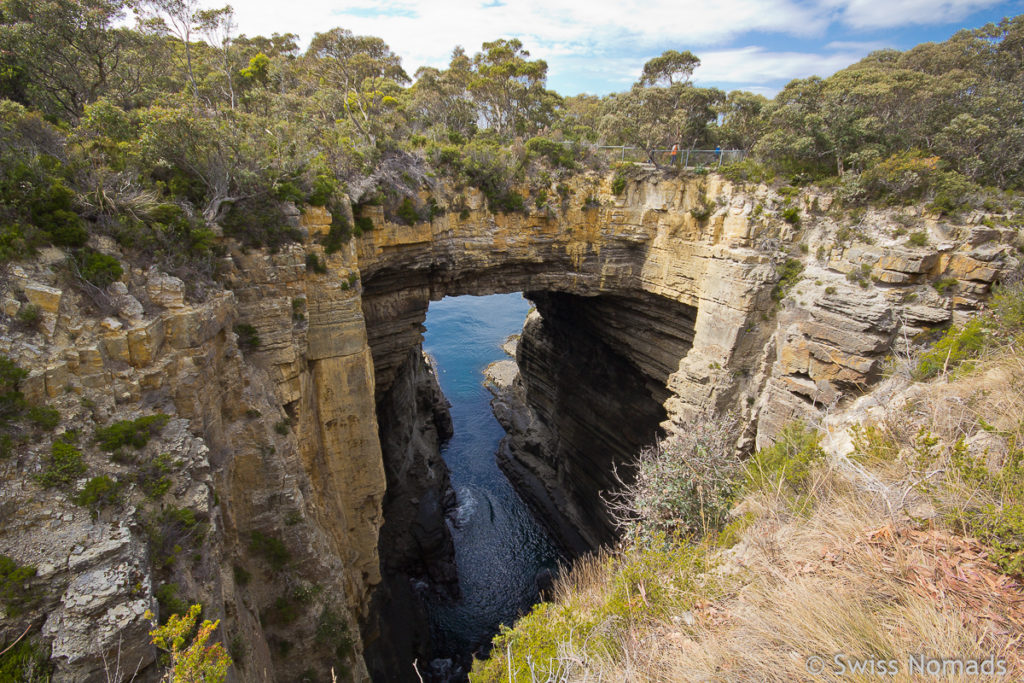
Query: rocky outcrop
[(648, 311), (274, 455), (416, 550)]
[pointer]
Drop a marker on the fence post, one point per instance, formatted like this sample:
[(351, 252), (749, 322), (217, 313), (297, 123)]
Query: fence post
[(686, 164)]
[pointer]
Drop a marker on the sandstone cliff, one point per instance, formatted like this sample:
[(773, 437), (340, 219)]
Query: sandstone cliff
[(294, 452)]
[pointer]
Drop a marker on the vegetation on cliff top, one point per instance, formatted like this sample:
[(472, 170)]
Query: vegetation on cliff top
[(150, 134)]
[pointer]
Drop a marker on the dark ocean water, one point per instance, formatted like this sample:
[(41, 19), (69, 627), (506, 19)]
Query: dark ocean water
[(499, 547)]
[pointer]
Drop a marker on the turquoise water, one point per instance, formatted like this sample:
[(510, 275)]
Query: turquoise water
[(499, 547)]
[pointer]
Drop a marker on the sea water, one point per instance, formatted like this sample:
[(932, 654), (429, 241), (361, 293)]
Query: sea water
[(499, 546)]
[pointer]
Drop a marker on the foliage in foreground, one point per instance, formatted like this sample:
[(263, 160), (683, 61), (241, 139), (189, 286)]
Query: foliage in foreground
[(961, 345), (684, 485), (600, 604), (192, 660)]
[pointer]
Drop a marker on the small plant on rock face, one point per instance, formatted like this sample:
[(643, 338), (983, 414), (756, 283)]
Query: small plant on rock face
[(190, 658), (30, 316), (315, 264), (15, 595), (248, 336), (789, 275), (702, 211), (407, 212), (944, 285), (135, 433), (64, 466), (100, 269), (271, 549), (918, 239), (99, 492)]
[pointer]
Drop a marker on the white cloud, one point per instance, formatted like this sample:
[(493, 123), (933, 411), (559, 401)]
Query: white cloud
[(425, 33), (608, 40), (889, 13), (754, 64)]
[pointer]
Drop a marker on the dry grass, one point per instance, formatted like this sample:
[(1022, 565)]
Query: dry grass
[(842, 581)]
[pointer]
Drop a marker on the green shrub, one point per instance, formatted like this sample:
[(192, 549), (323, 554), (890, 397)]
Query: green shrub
[(872, 445), (135, 433), (30, 316), (363, 225), (952, 193), (315, 264), (166, 595), (943, 285), (747, 170), (556, 153), (685, 485), (407, 212), (918, 239), (259, 222), (242, 576), (789, 275), (541, 198), (43, 417), (954, 349), (787, 464), (271, 549), (52, 210), (621, 178), (337, 236), (100, 269), (299, 309), (903, 177), (99, 492), (27, 661), (63, 467), (640, 584), (12, 401), (702, 211), (171, 532), (332, 631), (248, 336), (324, 189), (791, 215), (15, 593), (1007, 305), (1002, 527), (153, 477)]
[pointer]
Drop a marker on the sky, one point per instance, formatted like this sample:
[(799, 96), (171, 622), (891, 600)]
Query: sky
[(600, 46)]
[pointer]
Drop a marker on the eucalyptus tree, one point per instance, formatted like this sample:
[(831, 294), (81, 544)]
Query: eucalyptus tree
[(359, 79), (59, 55), (509, 89), (662, 108)]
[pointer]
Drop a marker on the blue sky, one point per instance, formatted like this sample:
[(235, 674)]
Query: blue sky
[(599, 46)]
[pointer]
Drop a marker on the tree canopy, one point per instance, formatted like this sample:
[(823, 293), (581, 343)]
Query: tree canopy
[(154, 132)]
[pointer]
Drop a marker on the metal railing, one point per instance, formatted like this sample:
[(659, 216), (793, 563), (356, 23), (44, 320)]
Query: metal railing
[(687, 158)]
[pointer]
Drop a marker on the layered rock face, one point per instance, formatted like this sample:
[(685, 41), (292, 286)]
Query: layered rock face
[(690, 309), (294, 452), (586, 405), (416, 548), (273, 463)]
